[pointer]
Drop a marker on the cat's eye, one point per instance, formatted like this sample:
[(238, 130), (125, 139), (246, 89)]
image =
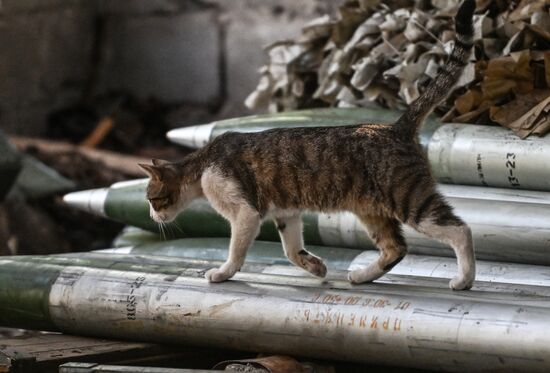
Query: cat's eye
[(157, 198), (159, 203)]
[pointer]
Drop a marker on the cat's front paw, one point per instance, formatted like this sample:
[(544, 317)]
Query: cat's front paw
[(461, 283), (217, 275), (314, 265)]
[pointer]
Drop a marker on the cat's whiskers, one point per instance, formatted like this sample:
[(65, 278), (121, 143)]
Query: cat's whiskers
[(166, 231), (170, 230), (175, 225), (162, 233)]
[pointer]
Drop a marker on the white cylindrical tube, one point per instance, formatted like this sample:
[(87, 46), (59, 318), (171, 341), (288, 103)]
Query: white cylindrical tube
[(420, 330), (489, 156)]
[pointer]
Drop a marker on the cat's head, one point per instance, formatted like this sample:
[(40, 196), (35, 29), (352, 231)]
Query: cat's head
[(169, 189)]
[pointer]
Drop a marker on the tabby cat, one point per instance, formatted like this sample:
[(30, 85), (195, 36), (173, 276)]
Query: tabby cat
[(377, 171)]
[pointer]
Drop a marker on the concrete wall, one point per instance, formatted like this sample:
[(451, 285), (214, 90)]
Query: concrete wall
[(45, 50), (251, 25), (199, 52)]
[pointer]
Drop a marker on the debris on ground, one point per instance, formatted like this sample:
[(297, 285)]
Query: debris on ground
[(120, 122), (33, 218), (91, 144)]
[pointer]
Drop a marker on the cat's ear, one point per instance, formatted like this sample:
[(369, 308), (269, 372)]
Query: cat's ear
[(160, 162), (152, 171)]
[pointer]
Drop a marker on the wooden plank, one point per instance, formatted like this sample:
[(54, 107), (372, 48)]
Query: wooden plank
[(121, 163), (44, 353), (97, 368)]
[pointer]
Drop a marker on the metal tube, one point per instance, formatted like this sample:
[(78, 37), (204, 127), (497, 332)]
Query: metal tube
[(341, 259), (451, 333), (10, 165), (458, 153), (198, 136), (36, 180), (502, 221), (515, 287), (131, 236), (126, 202), (489, 156), (215, 248)]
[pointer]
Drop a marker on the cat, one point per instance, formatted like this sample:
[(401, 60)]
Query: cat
[(377, 171)]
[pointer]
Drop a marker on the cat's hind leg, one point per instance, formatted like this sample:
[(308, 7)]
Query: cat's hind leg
[(434, 217), (245, 226), (290, 230), (388, 237)]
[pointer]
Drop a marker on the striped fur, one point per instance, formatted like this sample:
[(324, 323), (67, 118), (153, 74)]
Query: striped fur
[(447, 77), (376, 171)]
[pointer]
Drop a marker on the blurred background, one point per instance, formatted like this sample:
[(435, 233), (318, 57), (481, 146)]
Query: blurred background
[(167, 62), (116, 76)]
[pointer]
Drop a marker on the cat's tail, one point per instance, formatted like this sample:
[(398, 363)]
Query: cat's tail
[(407, 125)]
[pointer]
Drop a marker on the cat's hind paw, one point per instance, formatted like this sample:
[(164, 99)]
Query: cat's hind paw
[(217, 275), (366, 274), (358, 277), (460, 283)]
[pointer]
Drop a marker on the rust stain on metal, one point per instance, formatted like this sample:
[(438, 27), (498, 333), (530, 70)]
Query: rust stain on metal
[(130, 323), (272, 364)]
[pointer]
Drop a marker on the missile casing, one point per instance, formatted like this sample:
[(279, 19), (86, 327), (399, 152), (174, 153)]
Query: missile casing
[(495, 292), (10, 165), (500, 282), (507, 225), (489, 156), (36, 180), (458, 153), (126, 202), (131, 236), (28, 175), (337, 259), (215, 248), (418, 329), (197, 136)]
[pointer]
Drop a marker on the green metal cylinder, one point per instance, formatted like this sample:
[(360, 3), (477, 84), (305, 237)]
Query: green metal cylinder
[(131, 236), (197, 136), (375, 323), (126, 203), (24, 294), (10, 165), (189, 255), (502, 220)]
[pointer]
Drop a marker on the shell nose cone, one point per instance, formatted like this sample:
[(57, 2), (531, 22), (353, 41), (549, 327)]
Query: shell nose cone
[(92, 201), (193, 136), (183, 136)]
